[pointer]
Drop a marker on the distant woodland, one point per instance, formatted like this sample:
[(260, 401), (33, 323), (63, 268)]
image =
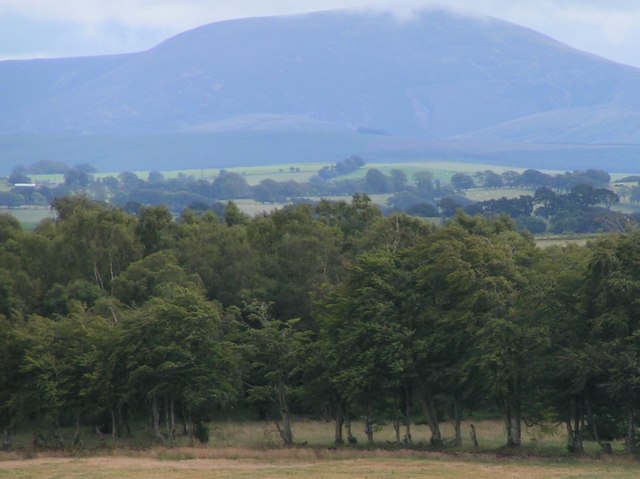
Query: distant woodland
[(571, 202), (329, 310)]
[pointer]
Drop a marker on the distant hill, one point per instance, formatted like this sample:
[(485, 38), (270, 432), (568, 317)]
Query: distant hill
[(382, 83)]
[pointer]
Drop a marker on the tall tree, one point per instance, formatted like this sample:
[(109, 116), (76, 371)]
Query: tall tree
[(613, 288), (362, 322), (176, 354), (474, 279), (276, 353)]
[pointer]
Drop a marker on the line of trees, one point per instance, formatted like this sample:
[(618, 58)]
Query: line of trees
[(531, 179), (584, 209), (331, 309), (129, 191), (572, 202)]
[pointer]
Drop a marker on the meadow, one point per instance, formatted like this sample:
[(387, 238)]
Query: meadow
[(240, 449), (311, 464)]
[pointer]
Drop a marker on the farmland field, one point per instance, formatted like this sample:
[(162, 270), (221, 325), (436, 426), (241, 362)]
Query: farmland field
[(442, 170)]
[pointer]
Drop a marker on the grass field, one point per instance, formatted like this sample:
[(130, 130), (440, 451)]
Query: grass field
[(483, 194), (29, 216), (252, 449), (442, 170), (311, 464), (564, 240), (538, 441)]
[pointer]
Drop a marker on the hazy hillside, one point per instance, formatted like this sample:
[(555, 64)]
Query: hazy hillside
[(438, 76)]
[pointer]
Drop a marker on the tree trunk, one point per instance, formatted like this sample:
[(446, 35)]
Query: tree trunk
[(631, 447), (507, 422), (192, 430), (167, 426), (429, 410), (185, 430), (512, 422), (575, 430), (77, 438), (114, 423), (172, 419), (368, 430), (339, 423), (473, 435), (407, 416), (457, 417), (285, 432), (396, 427), (156, 419), (120, 416), (368, 425), (6, 439), (606, 446), (125, 419), (516, 426), (350, 437)]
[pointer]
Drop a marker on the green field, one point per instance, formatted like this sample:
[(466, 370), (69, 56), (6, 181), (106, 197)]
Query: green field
[(442, 171), (253, 174), (29, 216)]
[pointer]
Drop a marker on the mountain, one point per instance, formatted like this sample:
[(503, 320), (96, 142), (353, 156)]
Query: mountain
[(378, 81)]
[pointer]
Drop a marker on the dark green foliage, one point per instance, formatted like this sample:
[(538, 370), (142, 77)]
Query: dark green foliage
[(462, 181), (329, 309), (202, 432), (375, 182), (514, 207), (229, 185)]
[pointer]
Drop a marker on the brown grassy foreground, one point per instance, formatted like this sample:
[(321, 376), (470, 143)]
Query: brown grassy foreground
[(309, 463), (251, 449)]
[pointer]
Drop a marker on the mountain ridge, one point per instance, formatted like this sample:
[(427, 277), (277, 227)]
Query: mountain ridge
[(438, 76)]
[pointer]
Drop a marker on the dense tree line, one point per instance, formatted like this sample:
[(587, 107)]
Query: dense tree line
[(561, 182), (130, 192), (584, 209), (572, 202), (330, 309)]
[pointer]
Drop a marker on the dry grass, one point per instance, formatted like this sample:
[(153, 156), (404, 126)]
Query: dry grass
[(295, 463), (252, 449)]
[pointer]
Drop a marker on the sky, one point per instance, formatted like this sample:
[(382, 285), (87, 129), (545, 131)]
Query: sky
[(58, 28)]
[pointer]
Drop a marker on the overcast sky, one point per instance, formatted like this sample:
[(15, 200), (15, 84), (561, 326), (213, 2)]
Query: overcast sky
[(52, 28)]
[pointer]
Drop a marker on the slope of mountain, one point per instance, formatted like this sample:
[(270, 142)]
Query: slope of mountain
[(437, 76)]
